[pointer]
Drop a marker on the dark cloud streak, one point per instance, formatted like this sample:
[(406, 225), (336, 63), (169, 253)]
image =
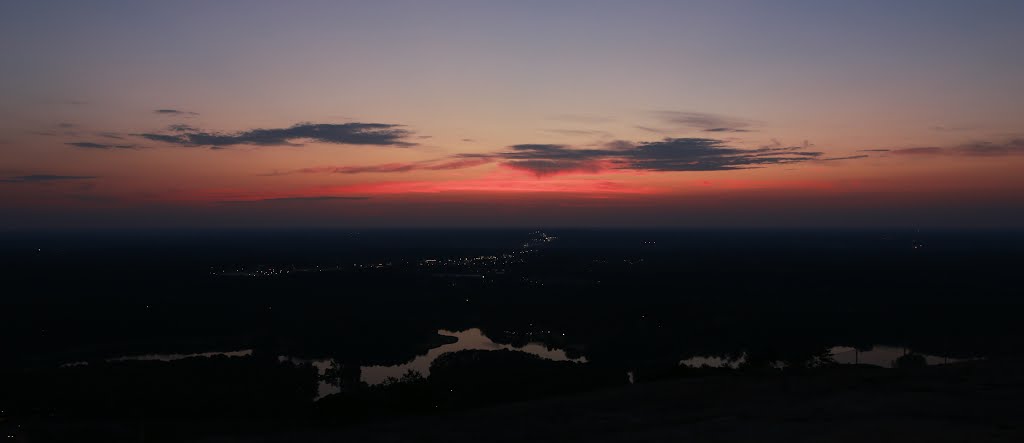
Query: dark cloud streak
[(44, 178), (175, 112), (378, 134), (974, 149), (315, 199), (726, 130), (919, 151), (668, 155), (91, 145), (851, 157)]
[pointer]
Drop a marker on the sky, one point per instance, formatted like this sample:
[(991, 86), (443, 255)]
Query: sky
[(137, 114)]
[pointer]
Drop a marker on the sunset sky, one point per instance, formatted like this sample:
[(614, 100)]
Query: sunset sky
[(512, 113)]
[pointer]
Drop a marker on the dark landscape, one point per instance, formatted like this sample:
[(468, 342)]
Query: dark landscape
[(124, 336)]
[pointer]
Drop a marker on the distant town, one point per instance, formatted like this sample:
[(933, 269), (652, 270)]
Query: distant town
[(479, 266)]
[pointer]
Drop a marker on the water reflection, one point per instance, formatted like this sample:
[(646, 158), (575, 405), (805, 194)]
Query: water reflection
[(474, 339), (173, 357), (713, 361), (881, 356), (469, 339), (164, 357)]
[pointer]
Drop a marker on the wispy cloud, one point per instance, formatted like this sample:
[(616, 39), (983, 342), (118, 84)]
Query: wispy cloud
[(929, 150), (724, 129), (428, 165), (182, 128), (61, 129), (987, 149), (91, 145), (582, 118), (379, 134), (952, 128), (43, 178), (313, 199), (579, 132), (176, 112), (705, 122), (650, 129), (974, 149), (849, 157)]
